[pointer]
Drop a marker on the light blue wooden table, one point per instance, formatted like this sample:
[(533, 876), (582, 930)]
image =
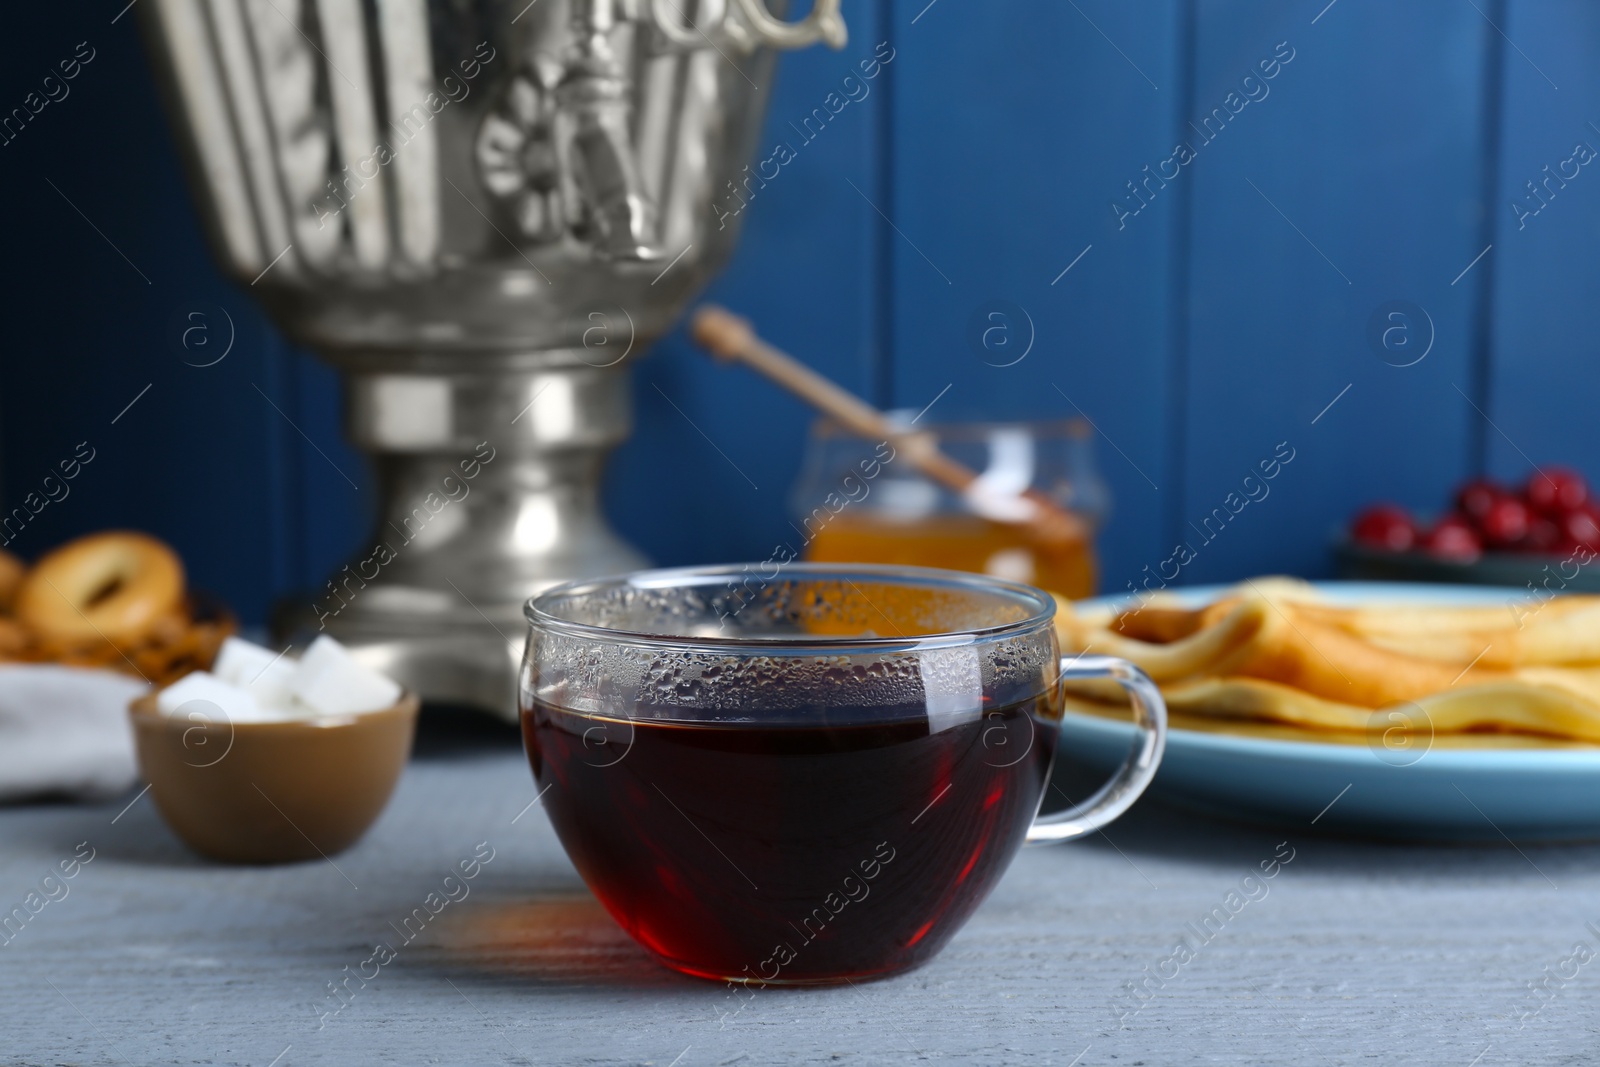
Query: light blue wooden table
[(1352, 953)]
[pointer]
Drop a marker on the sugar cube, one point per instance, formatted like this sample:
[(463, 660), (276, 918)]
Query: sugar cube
[(268, 675), (334, 682), (203, 694)]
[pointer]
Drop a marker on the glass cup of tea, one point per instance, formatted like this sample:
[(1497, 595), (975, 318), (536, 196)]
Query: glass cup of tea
[(809, 775)]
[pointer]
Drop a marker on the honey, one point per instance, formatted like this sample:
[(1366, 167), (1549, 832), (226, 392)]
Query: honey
[(962, 542)]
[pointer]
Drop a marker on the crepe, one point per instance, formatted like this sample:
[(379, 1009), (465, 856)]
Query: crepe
[(1273, 653), (1277, 731)]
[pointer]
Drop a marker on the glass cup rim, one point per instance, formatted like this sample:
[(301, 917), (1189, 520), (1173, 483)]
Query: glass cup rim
[(1042, 605)]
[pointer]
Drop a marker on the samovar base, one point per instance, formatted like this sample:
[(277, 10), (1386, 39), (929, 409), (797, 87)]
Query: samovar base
[(488, 484)]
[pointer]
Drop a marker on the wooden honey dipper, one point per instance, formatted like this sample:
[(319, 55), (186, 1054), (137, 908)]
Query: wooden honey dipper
[(732, 339)]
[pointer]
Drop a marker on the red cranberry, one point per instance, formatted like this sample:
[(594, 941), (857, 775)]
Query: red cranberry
[(1385, 526), (1556, 490), (1543, 535), (1505, 523), (1582, 527), (1453, 538), (1475, 498)]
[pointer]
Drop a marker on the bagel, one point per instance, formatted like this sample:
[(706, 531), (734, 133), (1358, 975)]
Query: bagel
[(13, 639), (11, 571), (115, 586)]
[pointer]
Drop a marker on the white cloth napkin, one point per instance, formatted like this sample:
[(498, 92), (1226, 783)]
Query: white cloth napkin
[(64, 731)]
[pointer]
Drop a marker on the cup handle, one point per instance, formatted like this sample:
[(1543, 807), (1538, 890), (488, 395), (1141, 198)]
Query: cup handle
[(1117, 795)]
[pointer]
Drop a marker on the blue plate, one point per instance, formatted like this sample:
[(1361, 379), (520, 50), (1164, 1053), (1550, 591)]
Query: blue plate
[(1438, 794)]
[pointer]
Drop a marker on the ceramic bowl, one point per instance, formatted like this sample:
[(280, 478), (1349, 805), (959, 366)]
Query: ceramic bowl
[(272, 792)]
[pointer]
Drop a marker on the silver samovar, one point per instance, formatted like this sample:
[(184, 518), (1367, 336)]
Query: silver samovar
[(476, 210)]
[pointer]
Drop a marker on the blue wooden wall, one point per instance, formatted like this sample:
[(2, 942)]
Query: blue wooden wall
[(1201, 322)]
